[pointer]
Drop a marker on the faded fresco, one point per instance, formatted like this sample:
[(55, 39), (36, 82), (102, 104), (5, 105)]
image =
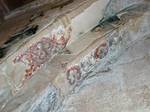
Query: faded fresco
[(39, 53), (110, 74)]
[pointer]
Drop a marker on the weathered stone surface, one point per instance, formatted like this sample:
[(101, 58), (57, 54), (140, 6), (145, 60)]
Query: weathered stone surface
[(47, 101), (125, 87), (110, 75)]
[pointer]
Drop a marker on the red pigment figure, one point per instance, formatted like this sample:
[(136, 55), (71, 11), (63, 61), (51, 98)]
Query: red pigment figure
[(101, 51), (39, 53), (73, 74)]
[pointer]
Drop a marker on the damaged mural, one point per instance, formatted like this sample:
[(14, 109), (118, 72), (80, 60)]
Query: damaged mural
[(39, 53), (111, 73)]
